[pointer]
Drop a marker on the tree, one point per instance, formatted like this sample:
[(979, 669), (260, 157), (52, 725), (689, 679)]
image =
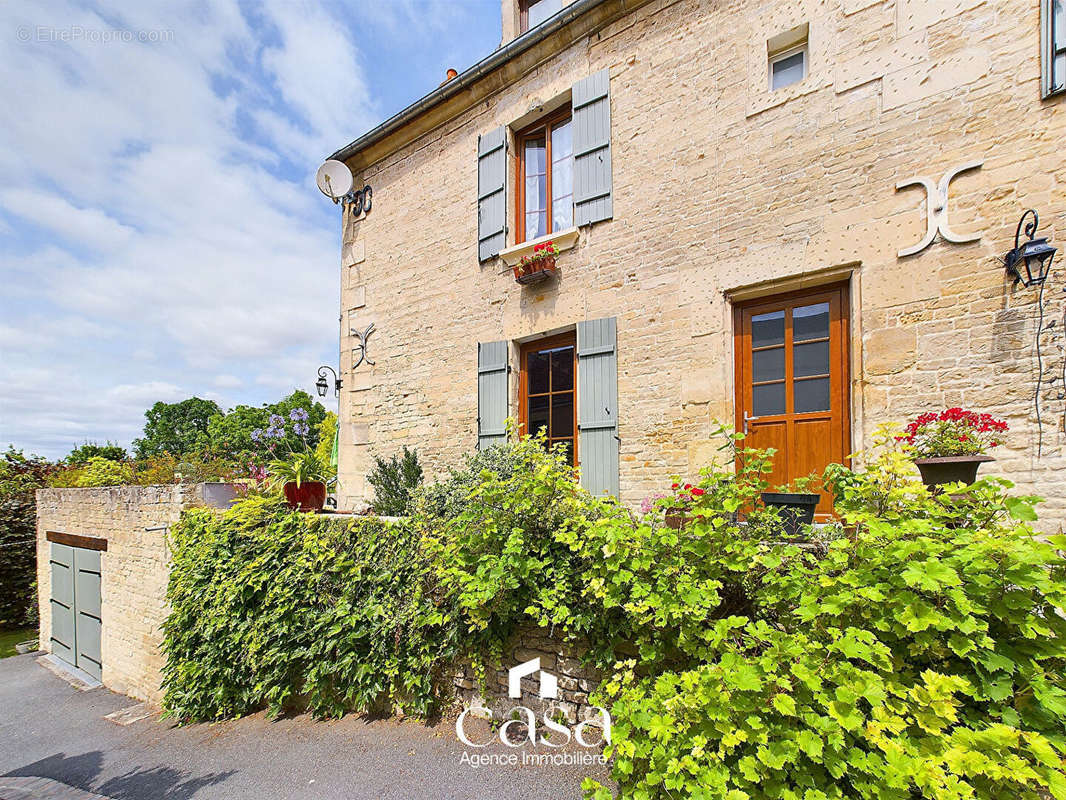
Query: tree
[(176, 428), (230, 435), (20, 477), (83, 452)]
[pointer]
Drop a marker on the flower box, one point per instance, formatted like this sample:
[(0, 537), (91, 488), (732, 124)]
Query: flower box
[(539, 271)]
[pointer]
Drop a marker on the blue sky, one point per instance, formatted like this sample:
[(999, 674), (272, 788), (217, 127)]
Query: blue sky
[(162, 235)]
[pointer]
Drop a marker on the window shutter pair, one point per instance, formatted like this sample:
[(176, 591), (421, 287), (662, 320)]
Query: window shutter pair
[(597, 389), (591, 105)]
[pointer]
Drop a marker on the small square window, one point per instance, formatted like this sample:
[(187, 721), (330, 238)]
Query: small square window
[(788, 67)]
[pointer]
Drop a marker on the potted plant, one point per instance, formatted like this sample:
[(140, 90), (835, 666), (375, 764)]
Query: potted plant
[(302, 478), (676, 507), (950, 446), (795, 504), (538, 266)]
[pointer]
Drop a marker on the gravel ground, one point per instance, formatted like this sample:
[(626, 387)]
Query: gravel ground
[(49, 729)]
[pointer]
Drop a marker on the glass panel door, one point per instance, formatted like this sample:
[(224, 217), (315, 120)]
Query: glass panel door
[(547, 391), (791, 381)]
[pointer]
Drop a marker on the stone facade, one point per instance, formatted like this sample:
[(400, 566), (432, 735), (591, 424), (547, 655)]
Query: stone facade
[(724, 191), (134, 569), (562, 659)]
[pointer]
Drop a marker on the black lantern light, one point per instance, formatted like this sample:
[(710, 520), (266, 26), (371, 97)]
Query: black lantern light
[(1035, 254), (323, 385)]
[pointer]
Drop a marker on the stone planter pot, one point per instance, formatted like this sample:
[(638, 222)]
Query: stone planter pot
[(795, 508), (308, 496), (939, 470), (535, 273)]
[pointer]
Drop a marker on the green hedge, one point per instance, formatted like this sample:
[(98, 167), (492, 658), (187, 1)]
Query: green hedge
[(915, 650)]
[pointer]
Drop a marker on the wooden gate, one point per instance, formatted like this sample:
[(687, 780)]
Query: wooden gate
[(75, 600)]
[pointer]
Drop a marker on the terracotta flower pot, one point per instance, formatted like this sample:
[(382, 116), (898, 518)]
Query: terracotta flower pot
[(308, 496), (939, 470), (536, 272), (675, 519), (796, 509)]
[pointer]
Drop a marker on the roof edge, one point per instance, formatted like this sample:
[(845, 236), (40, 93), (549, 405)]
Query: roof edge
[(498, 58)]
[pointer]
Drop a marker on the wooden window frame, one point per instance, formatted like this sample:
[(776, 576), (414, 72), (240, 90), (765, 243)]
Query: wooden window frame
[(840, 392), (568, 339), (543, 126), (523, 14)]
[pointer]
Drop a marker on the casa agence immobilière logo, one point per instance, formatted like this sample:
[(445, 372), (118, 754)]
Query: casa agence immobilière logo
[(523, 730)]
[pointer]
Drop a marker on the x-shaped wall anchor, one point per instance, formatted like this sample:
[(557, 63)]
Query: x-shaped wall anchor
[(936, 204)]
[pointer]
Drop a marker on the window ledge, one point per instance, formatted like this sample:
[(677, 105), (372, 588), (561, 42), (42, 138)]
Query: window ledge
[(564, 240)]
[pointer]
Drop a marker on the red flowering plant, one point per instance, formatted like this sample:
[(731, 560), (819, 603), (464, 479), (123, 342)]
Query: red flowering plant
[(953, 432), (542, 252)]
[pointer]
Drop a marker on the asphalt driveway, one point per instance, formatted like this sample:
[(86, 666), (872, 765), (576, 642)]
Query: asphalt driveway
[(49, 729)]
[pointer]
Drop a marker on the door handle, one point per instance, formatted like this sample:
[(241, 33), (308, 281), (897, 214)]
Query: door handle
[(747, 418)]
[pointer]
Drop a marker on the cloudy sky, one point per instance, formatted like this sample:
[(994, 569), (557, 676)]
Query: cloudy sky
[(161, 235)]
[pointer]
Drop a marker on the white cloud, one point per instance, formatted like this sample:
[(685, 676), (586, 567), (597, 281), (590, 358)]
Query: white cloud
[(168, 248)]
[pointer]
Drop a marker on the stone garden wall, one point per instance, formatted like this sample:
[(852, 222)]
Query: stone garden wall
[(134, 569)]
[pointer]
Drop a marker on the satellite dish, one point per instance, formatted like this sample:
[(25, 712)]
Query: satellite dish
[(334, 179)]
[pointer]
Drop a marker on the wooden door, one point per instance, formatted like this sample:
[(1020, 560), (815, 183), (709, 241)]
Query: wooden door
[(792, 381)]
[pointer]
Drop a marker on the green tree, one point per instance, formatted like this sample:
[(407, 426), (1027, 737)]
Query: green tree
[(176, 428), (20, 477), (230, 435), (83, 452)]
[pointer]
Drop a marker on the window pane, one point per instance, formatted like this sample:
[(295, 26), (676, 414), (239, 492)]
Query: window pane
[(534, 156), (562, 369), (536, 193), (768, 399), (562, 213), (563, 414), (540, 10), (537, 378), (810, 395), (538, 414), (767, 329), (811, 358), (1059, 73), (810, 322), (536, 224), (768, 365), (562, 145), (1059, 23), (786, 71)]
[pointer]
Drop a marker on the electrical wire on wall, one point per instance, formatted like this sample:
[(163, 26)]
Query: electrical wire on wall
[(1039, 370)]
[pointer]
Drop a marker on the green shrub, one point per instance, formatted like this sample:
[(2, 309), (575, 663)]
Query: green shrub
[(913, 650), (20, 477), (272, 608), (100, 471), (919, 655), (394, 481)]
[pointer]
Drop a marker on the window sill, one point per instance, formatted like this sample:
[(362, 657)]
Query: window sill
[(564, 240)]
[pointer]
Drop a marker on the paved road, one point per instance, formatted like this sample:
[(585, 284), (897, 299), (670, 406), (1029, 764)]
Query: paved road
[(51, 730)]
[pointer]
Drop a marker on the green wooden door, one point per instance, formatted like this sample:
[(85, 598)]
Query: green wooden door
[(76, 607)]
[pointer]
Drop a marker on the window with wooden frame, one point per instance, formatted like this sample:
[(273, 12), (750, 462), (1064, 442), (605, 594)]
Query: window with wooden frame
[(534, 12), (545, 178), (547, 391), (792, 390)]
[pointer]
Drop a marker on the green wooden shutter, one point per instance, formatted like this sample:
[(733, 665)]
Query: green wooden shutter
[(591, 99), (492, 393), (597, 390), (491, 193)]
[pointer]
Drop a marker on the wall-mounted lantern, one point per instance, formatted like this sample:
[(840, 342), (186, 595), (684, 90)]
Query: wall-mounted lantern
[(322, 384), (1035, 255)]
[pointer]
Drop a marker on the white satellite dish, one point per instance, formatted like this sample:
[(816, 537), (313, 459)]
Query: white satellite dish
[(334, 179)]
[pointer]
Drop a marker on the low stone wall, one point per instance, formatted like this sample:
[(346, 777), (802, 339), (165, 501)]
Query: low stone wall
[(561, 658), (134, 569)]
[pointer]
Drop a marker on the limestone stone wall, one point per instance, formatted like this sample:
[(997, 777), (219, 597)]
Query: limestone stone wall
[(726, 191), (561, 658), (134, 569)]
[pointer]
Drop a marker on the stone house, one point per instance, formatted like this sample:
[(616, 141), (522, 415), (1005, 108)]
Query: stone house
[(787, 216)]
